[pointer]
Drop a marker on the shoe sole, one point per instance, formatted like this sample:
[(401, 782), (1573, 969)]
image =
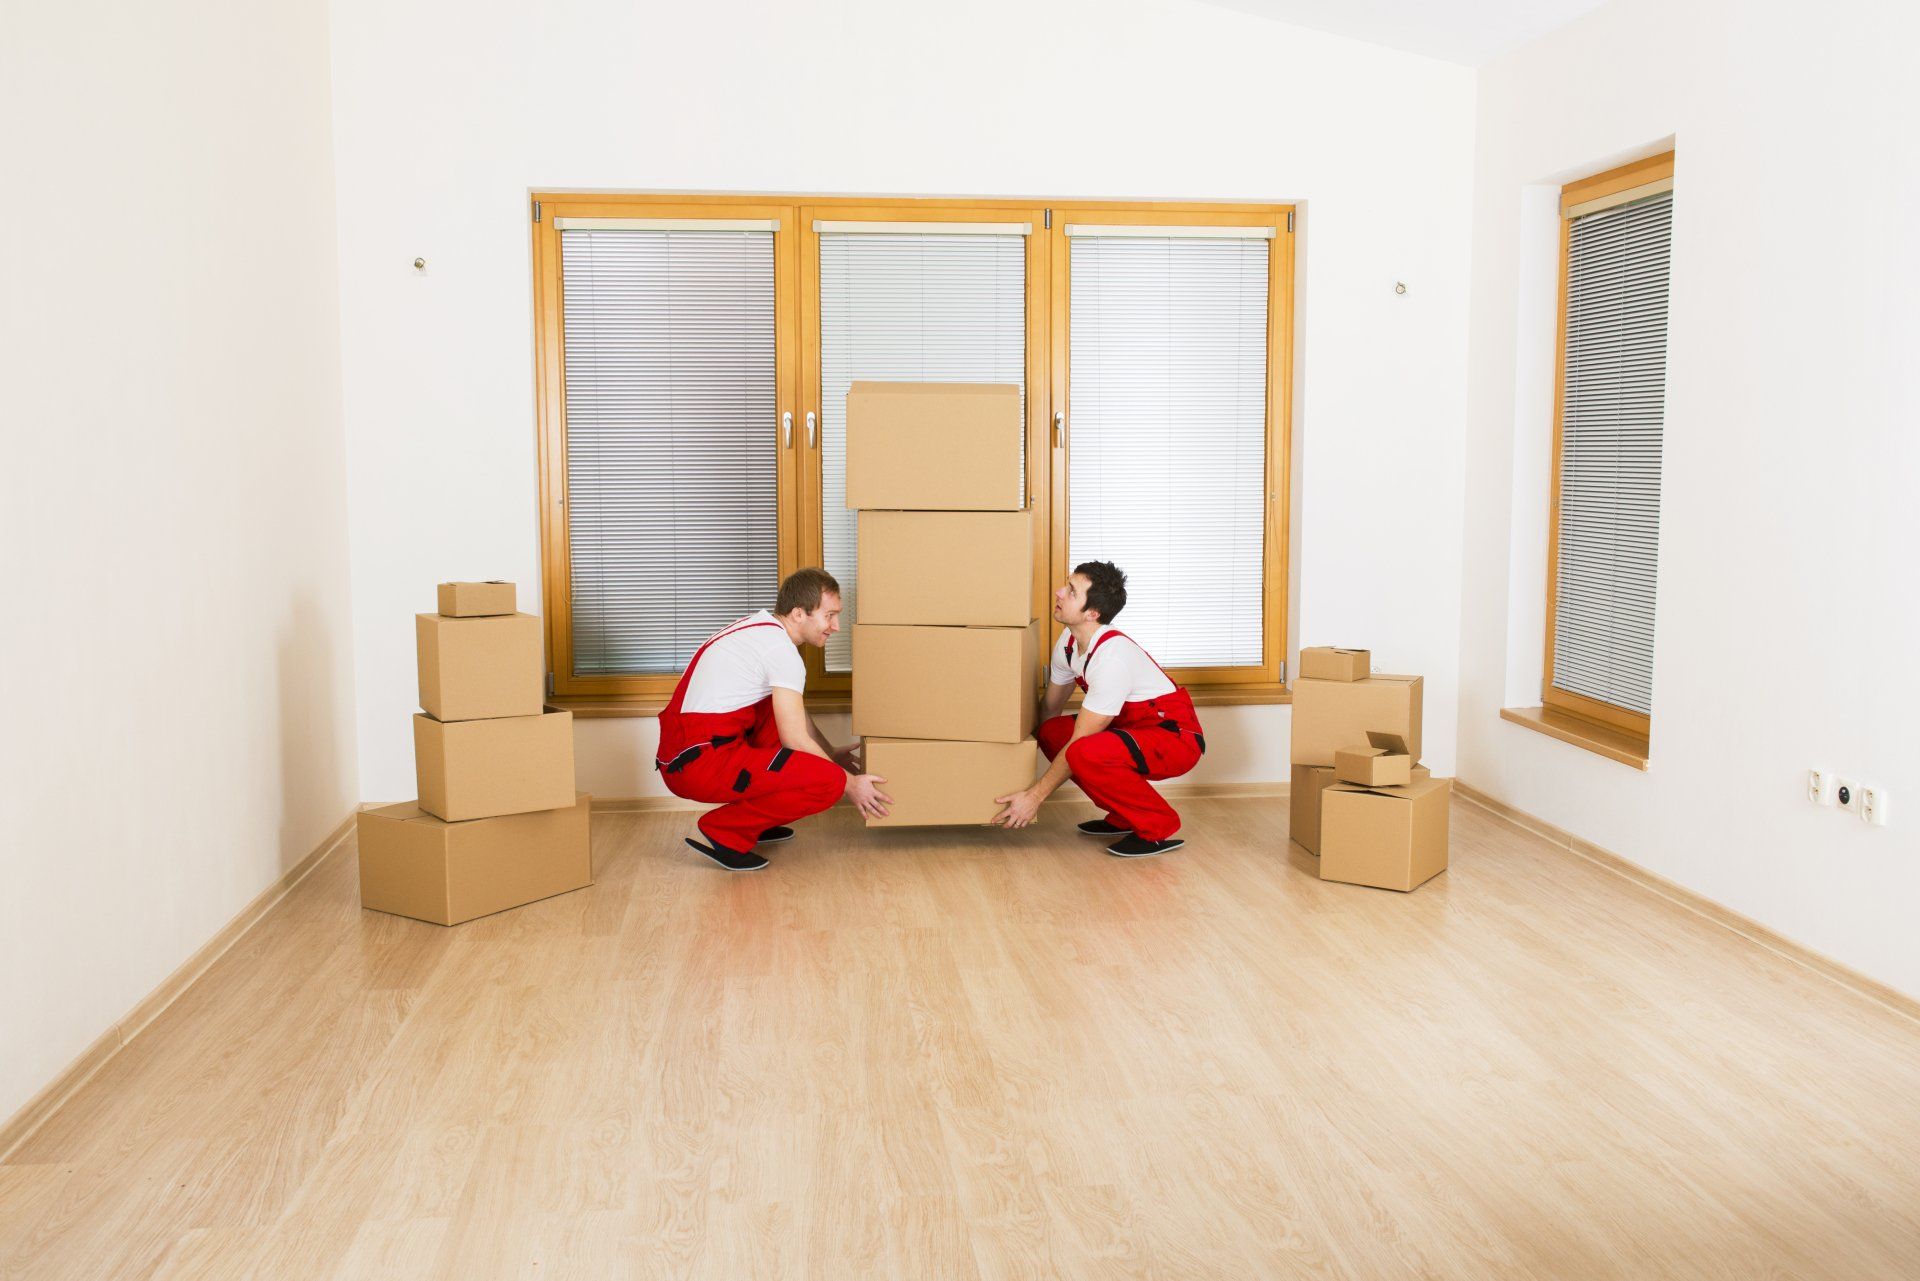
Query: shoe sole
[(725, 867), (1114, 835), (1149, 853)]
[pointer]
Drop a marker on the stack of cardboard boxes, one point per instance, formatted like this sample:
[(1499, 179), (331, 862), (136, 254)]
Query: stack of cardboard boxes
[(945, 644), (1360, 799), (498, 823)]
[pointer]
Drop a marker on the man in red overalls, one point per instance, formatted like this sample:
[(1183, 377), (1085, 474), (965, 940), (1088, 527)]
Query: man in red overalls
[(1135, 725), (736, 731)]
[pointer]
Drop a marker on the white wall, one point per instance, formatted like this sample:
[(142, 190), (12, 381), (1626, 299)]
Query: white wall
[(1787, 611), (447, 115), (176, 674)]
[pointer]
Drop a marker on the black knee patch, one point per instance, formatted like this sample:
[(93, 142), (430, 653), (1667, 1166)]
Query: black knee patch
[(779, 759), (742, 783)]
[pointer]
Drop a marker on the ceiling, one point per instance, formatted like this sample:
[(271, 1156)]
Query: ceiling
[(1469, 32)]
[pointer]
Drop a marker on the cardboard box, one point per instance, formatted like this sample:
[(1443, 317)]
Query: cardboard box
[(475, 668), (1306, 796), (934, 447), (413, 864), (1330, 715), (976, 684), (479, 769), (1393, 838), (959, 569), (934, 783), (474, 600), (1382, 763), (1325, 663)]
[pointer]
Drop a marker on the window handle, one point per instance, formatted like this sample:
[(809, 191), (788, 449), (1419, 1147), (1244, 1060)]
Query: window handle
[(1059, 427), (786, 430), (811, 436)]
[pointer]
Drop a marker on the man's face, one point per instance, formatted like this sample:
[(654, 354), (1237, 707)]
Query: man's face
[(1070, 601), (817, 625)]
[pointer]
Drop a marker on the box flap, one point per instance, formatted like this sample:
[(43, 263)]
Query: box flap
[(1403, 792), (1391, 744)]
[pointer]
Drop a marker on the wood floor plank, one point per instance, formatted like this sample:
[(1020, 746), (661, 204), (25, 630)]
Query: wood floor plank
[(979, 1055)]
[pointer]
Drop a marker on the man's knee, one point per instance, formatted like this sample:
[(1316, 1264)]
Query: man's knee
[(1090, 752)]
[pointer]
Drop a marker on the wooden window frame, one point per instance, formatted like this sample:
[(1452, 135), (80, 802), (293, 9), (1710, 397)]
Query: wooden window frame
[(1642, 177), (797, 345)]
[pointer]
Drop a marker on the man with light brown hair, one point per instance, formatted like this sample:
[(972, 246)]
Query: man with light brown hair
[(736, 731)]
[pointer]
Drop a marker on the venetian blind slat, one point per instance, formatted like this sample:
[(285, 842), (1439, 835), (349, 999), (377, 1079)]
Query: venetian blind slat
[(1167, 473), (672, 504), (1612, 423)]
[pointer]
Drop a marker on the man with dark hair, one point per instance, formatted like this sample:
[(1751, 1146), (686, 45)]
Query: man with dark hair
[(736, 730), (1135, 725)]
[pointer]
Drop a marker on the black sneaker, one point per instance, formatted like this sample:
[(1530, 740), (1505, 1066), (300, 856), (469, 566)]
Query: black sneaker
[(1100, 827), (774, 835), (1136, 847), (732, 860)]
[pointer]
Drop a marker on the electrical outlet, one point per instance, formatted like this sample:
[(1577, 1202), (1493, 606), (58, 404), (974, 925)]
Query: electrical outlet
[(1846, 794), (1820, 787), (1873, 805)]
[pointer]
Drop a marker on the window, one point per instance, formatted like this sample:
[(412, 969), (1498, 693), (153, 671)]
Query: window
[(694, 354), (1603, 548)]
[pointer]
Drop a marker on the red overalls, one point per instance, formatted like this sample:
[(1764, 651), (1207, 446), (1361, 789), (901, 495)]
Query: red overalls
[(735, 759), (1157, 739)]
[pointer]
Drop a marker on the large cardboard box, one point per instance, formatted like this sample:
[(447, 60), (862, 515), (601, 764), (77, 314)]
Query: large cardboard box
[(1330, 715), (971, 683), (1383, 762), (935, 783), (475, 668), (1306, 795), (474, 600), (1393, 838), (934, 447), (1329, 663), (413, 864), (508, 765), (960, 569)]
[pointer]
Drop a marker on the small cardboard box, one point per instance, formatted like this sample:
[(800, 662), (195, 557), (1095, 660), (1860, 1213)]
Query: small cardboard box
[(975, 684), (1382, 763), (956, 569), (508, 765), (1306, 796), (476, 668), (934, 783), (1393, 838), (1330, 715), (1326, 663), (934, 447), (474, 600), (413, 864)]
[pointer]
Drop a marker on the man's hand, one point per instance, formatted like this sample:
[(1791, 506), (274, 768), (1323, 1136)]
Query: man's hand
[(867, 797), (849, 758), (1021, 808)]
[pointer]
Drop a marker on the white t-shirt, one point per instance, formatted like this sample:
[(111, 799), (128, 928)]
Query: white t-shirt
[(1122, 673), (740, 670)]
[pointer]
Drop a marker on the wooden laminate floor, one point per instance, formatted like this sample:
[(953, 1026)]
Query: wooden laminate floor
[(960, 1054)]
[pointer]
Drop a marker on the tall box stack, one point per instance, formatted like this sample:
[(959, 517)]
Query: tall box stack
[(945, 645), (497, 823), (1360, 799)]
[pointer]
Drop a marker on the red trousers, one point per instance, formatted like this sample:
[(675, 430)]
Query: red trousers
[(1113, 778), (758, 784)]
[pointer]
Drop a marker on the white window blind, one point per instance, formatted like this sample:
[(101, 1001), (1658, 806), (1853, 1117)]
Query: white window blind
[(671, 439), (908, 307), (1167, 369), (1610, 444)]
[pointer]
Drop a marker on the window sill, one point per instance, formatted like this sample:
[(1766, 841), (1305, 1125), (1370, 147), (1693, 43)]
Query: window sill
[(601, 706), (1602, 740)]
